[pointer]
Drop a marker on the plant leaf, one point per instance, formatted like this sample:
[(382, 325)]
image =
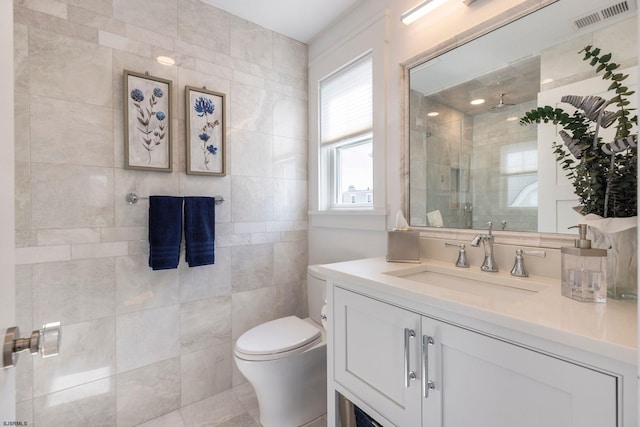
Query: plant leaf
[(605, 58)]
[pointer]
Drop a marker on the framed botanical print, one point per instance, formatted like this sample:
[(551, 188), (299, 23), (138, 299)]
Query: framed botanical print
[(147, 122), (205, 131)]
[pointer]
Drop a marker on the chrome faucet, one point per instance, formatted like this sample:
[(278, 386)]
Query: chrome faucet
[(462, 260), (519, 269), (489, 263)]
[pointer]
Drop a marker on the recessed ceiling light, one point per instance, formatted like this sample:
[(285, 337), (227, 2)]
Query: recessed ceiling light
[(165, 60), (477, 101), (433, 114), (512, 118)]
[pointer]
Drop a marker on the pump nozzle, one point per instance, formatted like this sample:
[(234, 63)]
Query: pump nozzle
[(582, 241)]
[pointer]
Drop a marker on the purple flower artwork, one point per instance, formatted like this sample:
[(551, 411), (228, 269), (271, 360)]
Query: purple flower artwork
[(205, 132)]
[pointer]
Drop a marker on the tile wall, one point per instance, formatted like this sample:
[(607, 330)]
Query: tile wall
[(138, 344), (496, 135)]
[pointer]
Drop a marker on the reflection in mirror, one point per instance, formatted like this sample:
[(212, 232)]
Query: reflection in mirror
[(470, 159)]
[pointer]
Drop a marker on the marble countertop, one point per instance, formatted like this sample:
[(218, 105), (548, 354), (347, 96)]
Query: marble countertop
[(532, 305)]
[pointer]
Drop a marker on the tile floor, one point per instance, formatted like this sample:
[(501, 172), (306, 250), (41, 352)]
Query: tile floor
[(237, 407)]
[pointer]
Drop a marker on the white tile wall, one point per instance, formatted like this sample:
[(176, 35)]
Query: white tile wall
[(148, 391), (141, 345)]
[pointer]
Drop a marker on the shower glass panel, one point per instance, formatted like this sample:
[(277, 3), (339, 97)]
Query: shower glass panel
[(469, 168), (441, 148)]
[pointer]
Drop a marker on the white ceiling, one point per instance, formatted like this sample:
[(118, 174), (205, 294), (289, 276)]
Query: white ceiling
[(298, 19)]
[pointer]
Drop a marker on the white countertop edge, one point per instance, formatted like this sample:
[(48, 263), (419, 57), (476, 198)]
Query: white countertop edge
[(619, 343)]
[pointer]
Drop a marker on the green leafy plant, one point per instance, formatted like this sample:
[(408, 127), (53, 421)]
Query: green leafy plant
[(604, 174)]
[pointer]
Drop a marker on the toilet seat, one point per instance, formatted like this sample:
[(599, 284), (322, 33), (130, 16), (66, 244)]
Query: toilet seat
[(277, 339)]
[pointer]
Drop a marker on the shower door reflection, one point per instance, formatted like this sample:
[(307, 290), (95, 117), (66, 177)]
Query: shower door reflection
[(441, 147), (468, 167)]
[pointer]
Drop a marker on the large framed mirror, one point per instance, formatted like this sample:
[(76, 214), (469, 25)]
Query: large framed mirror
[(472, 162)]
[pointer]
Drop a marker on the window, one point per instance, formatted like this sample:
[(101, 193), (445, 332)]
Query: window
[(346, 111), (519, 166)]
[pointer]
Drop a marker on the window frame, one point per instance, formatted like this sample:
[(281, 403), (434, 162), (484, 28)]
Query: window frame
[(333, 186), (329, 193)]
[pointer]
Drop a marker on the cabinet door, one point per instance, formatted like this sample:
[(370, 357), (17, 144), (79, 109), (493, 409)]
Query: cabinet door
[(369, 355), (482, 381)]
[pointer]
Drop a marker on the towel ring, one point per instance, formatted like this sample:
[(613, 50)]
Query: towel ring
[(132, 199)]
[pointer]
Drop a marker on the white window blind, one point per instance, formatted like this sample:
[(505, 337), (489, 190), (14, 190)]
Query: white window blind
[(346, 106)]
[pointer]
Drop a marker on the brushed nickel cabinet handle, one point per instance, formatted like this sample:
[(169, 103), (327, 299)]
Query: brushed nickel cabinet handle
[(409, 374), (426, 383)]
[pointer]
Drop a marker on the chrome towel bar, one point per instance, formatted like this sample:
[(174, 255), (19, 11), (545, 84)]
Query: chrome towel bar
[(132, 198)]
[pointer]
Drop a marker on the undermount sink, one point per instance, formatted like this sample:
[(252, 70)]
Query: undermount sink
[(470, 281)]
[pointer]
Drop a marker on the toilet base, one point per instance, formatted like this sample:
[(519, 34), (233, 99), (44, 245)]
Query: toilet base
[(291, 391)]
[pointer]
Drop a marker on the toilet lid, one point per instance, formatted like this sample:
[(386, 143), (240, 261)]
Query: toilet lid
[(277, 336)]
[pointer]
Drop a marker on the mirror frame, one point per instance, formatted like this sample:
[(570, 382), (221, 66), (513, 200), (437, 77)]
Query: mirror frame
[(519, 238)]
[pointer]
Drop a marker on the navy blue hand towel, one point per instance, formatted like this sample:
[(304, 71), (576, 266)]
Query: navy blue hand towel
[(199, 230), (165, 231)]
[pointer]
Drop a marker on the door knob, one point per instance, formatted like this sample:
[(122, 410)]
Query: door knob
[(45, 341)]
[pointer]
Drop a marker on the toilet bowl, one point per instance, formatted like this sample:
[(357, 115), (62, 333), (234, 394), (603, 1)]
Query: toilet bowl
[(285, 360)]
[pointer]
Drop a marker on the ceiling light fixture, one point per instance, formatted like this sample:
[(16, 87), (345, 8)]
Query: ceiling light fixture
[(420, 10), (165, 60), (477, 101), (433, 114)]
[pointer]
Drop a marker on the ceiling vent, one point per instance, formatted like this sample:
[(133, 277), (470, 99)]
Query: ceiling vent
[(606, 13), (593, 18), (616, 9)]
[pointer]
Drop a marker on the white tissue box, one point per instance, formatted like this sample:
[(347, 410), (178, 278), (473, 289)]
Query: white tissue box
[(403, 246)]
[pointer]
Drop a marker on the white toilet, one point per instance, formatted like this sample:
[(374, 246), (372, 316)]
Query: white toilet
[(285, 360)]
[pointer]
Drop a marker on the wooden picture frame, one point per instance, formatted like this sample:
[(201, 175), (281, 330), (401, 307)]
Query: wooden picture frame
[(205, 131), (147, 122)]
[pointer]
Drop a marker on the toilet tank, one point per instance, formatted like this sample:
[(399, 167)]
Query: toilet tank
[(316, 292)]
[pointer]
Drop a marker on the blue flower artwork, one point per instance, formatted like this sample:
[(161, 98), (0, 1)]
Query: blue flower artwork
[(147, 121), (203, 106), (205, 134), (151, 122)]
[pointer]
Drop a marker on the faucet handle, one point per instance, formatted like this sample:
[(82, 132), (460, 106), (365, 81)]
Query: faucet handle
[(519, 269), (540, 254), (462, 260)]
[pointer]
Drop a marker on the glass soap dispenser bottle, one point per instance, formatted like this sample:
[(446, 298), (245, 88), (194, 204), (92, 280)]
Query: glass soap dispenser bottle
[(584, 270)]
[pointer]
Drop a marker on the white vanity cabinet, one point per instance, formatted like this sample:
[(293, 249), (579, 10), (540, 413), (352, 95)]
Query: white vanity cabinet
[(487, 382), (369, 355), (414, 370)]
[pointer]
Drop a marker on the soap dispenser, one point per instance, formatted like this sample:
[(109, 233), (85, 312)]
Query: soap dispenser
[(584, 270)]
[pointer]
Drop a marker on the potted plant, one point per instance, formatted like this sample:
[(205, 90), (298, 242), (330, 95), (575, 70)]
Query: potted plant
[(603, 172)]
